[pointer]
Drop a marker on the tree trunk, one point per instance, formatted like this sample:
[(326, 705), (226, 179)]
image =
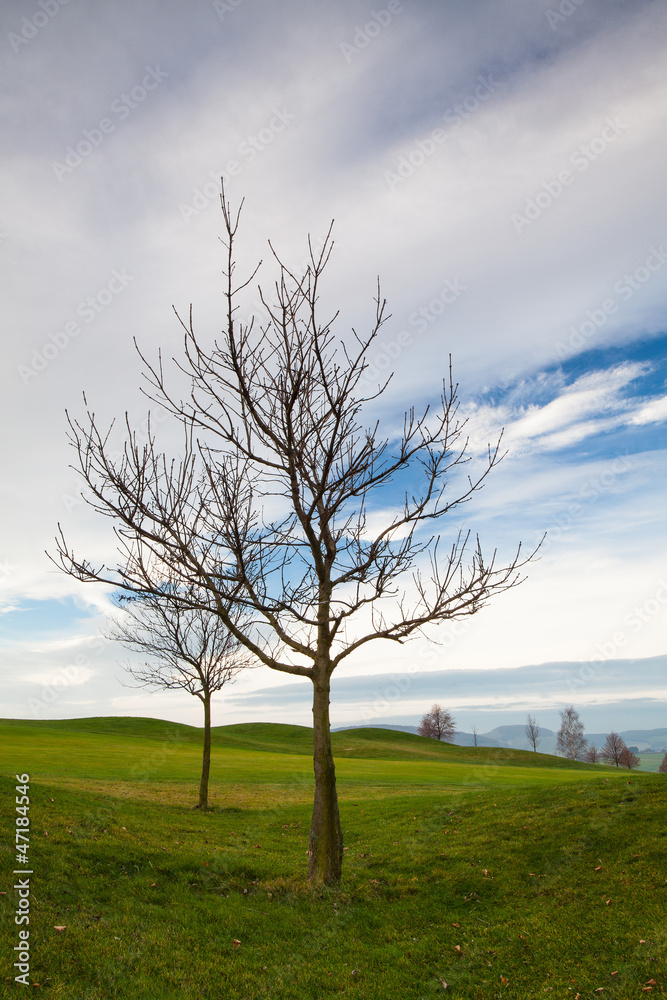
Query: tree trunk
[(206, 759), (325, 841)]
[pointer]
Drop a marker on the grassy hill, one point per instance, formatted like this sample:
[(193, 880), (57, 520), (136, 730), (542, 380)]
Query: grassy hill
[(500, 873), (272, 737)]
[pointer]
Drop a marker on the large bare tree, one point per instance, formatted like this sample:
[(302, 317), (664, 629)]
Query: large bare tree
[(278, 495), (191, 650)]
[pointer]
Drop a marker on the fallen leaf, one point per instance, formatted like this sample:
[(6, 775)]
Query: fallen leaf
[(153, 884), (651, 982), (608, 902), (444, 984), (504, 980), (457, 947), (60, 929), (615, 973), (236, 943), (642, 941), (598, 868), (455, 925)]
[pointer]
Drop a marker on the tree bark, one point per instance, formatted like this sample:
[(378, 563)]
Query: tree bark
[(206, 758), (325, 841)]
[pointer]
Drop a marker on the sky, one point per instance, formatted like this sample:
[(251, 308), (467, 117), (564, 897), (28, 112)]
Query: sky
[(499, 164)]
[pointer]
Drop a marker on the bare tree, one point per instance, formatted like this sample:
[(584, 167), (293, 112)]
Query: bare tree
[(438, 724), (271, 496), (570, 740), (475, 735), (592, 755), (613, 747), (194, 651), (663, 765), (532, 732), (628, 758)]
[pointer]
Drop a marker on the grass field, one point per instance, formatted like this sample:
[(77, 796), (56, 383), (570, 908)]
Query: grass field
[(500, 873), (650, 761)]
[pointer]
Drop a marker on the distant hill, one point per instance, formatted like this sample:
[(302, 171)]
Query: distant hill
[(460, 740), (514, 737), (645, 739)]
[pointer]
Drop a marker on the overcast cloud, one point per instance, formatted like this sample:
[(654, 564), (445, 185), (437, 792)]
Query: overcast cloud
[(499, 164)]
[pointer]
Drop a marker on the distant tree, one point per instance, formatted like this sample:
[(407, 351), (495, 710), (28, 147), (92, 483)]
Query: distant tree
[(663, 765), (474, 734), (613, 747), (628, 759), (193, 651), (592, 755), (532, 731), (570, 741), (438, 725)]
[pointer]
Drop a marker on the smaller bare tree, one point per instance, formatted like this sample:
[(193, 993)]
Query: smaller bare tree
[(592, 755), (613, 747), (628, 758), (194, 651), (570, 741), (663, 765), (532, 732), (475, 734), (438, 725)]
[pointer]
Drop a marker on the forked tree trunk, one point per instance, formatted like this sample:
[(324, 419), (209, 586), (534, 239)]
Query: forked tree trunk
[(206, 758), (325, 842)]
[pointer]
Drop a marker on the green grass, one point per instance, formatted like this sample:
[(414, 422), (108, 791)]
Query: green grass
[(650, 761), (511, 856)]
